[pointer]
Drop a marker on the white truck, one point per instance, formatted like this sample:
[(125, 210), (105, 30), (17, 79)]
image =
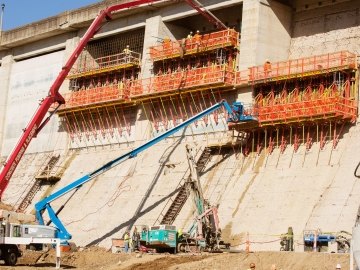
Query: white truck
[(14, 234)]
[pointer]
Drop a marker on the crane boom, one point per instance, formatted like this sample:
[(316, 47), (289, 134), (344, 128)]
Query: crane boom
[(236, 115), (37, 123), (207, 14)]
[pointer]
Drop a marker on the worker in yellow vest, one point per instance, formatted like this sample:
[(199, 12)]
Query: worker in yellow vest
[(126, 241), (127, 53)]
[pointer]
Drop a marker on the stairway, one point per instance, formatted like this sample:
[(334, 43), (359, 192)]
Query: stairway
[(180, 199), (46, 174), (29, 197)]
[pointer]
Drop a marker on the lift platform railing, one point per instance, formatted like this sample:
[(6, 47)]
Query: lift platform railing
[(87, 66), (194, 44), (303, 66)]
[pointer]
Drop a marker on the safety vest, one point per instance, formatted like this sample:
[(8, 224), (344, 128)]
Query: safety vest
[(126, 237)]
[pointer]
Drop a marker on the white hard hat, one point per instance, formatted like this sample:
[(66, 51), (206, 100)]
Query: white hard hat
[(338, 266)]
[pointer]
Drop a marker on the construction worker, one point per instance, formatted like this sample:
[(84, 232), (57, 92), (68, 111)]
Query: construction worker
[(197, 40), (338, 266), (126, 241), (127, 53), (166, 44), (251, 266), (180, 233), (136, 240), (121, 88), (267, 68)]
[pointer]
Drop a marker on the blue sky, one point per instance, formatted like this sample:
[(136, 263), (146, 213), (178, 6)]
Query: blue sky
[(21, 12)]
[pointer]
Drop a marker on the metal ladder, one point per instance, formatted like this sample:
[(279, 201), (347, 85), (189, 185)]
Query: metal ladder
[(180, 199), (44, 175)]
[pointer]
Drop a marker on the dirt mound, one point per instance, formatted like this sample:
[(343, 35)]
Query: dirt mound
[(5, 206)]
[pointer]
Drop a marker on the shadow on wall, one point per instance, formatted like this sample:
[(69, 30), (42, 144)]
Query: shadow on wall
[(131, 221), (139, 212), (283, 12)]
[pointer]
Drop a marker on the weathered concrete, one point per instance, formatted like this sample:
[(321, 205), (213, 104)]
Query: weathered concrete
[(29, 82), (321, 30), (265, 32), (155, 31), (5, 71), (260, 194)]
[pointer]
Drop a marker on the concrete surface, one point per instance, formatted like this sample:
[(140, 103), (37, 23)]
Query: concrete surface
[(261, 195)]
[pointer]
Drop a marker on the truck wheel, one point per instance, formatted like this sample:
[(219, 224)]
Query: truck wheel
[(11, 257)]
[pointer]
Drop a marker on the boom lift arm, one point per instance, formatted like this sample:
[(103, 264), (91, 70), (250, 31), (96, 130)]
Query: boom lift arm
[(236, 115), (37, 123)]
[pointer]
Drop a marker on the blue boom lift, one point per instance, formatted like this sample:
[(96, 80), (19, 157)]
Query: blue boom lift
[(236, 115)]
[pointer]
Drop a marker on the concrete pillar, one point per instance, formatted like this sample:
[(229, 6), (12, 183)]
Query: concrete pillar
[(5, 71), (70, 46), (143, 126), (265, 32), (155, 30)]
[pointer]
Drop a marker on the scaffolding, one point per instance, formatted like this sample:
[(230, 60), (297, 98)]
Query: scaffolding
[(87, 66), (303, 67), (194, 44), (193, 73), (312, 104)]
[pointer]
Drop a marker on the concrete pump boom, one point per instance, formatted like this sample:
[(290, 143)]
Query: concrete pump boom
[(236, 115), (37, 123)]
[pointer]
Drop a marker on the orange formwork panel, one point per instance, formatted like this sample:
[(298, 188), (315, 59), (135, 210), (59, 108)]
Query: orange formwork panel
[(241, 77), (89, 66), (95, 95), (305, 106), (303, 67), (205, 77), (195, 44)]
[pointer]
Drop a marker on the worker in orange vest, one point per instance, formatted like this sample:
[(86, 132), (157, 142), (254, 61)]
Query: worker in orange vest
[(197, 40), (267, 68), (166, 44)]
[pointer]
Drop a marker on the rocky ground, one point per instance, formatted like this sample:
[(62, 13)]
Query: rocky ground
[(98, 258)]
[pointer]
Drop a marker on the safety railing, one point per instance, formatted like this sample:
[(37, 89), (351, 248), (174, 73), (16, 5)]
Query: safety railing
[(303, 67), (213, 76), (322, 108), (197, 43), (307, 105), (86, 66), (96, 95), (242, 77)]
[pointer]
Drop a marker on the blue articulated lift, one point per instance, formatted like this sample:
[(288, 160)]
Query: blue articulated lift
[(236, 115)]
